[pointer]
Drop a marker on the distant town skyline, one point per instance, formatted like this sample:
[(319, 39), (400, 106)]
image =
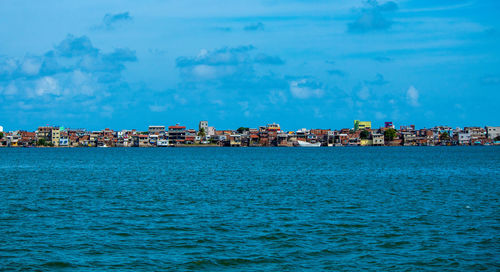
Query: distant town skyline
[(313, 64)]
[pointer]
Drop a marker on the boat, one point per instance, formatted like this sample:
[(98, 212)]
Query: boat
[(103, 146), (306, 144)]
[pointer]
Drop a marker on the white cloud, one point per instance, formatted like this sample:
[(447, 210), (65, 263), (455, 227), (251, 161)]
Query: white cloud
[(304, 89), (47, 85), (412, 96), (205, 71)]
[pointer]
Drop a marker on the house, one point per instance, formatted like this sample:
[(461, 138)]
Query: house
[(162, 143), (378, 139), (176, 134), (64, 141), (235, 140), (366, 142), (140, 140), (464, 138), (44, 133), (27, 138), (409, 138), (156, 130), (492, 132), (13, 139)]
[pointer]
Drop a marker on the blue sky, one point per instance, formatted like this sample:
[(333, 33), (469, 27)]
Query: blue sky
[(314, 63)]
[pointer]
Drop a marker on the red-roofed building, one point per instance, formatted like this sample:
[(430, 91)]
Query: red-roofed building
[(177, 134)]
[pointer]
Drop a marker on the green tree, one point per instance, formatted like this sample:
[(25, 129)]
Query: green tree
[(390, 134), (444, 136), (41, 142), (202, 133), (242, 129), (364, 134), (1, 135)]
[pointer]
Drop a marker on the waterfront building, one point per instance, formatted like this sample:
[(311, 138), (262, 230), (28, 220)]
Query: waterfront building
[(162, 143), (156, 130), (477, 134), (235, 140), (378, 139), (409, 138), (492, 132), (44, 133), (366, 142), (464, 138), (177, 134), (140, 140), (55, 136), (360, 125), (64, 141)]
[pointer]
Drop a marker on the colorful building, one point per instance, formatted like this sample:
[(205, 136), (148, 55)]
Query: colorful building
[(360, 125)]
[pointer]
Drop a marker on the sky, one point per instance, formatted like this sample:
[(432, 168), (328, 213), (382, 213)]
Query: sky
[(300, 63)]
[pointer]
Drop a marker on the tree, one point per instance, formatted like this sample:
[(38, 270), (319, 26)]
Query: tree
[(1, 135), (364, 134), (41, 142), (444, 136), (242, 129), (390, 134), (496, 138), (201, 133)]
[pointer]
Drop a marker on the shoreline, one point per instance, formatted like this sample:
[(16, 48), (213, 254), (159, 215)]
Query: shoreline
[(218, 146)]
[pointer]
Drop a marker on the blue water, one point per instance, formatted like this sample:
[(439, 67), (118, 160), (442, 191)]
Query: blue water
[(250, 209)]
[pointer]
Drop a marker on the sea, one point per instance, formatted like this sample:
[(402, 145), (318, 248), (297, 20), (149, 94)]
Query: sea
[(250, 209)]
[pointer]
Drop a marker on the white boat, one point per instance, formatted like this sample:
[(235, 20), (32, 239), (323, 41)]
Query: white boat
[(306, 144), (103, 146)]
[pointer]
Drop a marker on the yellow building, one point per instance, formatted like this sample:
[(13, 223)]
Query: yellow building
[(366, 142), (362, 125), (56, 136)]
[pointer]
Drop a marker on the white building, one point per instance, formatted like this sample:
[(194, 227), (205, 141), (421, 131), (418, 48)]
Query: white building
[(464, 138), (203, 125), (1, 129), (210, 131), (491, 132), (158, 130)]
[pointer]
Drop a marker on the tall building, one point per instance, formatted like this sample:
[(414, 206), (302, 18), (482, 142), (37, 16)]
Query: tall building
[(203, 125), (176, 134), (156, 130), (55, 136), (491, 132), (44, 133), (362, 125)]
